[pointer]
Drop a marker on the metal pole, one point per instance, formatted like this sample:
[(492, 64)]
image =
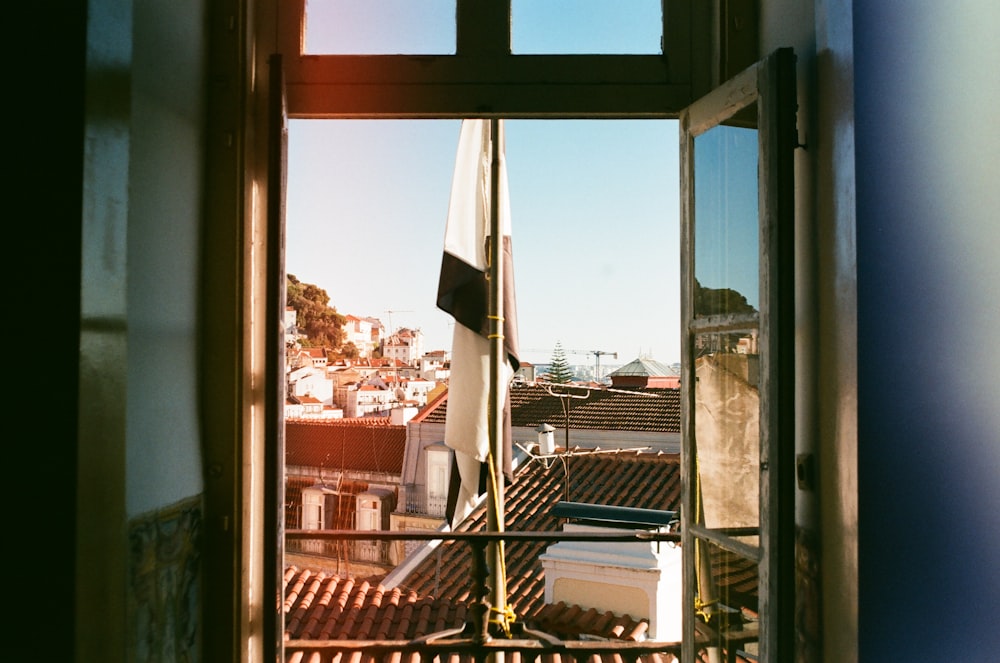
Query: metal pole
[(494, 522)]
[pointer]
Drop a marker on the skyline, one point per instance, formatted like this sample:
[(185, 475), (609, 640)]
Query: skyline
[(366, 208)]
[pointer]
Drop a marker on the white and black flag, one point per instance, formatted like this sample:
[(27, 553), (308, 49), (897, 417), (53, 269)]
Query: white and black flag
[(463, 292)]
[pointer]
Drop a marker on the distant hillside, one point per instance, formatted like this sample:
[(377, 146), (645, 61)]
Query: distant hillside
[(321, 324)]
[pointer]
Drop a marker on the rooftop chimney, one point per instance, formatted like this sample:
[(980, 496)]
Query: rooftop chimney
[(640, 579), (546, 439)]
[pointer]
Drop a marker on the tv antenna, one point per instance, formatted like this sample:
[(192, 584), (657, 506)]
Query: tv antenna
[(390, 311), (564, 399)]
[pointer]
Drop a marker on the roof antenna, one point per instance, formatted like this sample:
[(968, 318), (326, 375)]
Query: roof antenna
[(564, 398)]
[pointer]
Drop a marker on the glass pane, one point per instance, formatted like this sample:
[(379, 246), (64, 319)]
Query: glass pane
[(586, 27), (725, 221), (727, 429), (380, 27), (728, 587)]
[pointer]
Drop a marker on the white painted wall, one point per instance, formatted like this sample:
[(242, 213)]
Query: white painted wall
[(164, 216)]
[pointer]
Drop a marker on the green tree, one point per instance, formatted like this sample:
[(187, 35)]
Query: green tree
[(559, 370), (349, 351), (320, 322)]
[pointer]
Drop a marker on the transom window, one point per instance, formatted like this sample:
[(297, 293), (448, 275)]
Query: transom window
[(379, 27), (508, 58), (586, 26), (428, 27)]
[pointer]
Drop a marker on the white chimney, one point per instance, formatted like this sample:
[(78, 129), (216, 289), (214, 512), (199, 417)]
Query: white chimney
[(641, 579), (546, 439)]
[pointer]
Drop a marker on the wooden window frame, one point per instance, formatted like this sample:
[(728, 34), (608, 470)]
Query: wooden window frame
[(482, 79), (770, 86)]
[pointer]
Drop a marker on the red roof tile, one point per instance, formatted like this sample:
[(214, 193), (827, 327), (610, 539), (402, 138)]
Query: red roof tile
[(625, 478), (368, 445), (435, 595), (321, 607), (327, 607), (639, 409)]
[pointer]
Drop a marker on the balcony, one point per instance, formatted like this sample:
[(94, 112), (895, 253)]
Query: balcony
[(474, 630), (418, 502)]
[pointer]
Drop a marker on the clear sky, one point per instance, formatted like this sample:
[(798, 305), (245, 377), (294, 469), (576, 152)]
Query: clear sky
[(594, 215)]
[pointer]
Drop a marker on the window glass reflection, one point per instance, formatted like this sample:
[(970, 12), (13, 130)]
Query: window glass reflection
[(726, 262), (727, 429), (728, 588)]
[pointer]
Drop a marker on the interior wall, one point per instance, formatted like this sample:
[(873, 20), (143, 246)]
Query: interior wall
[(138, 456), (824, 340), (164, 215), (928, 154), (164, 479), (100, 500), (834, 270)]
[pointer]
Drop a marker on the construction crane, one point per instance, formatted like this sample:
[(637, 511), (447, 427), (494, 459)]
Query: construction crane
[(597, 361), (597, 356), (549, 352)]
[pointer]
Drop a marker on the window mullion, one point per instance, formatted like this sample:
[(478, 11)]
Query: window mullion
[(483, 28)]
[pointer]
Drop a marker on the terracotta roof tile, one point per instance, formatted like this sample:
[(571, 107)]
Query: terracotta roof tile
[(434, 596), (359, 444), (638, 409), (630, 478)]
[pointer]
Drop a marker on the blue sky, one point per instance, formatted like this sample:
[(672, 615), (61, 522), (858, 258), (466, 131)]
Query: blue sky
[(428, 26), (594, 212)]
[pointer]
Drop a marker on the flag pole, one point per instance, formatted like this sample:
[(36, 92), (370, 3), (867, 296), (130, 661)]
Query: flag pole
[(495, 501)]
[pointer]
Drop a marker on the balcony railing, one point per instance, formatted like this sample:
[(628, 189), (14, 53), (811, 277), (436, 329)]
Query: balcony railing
[(479, 638), (464, 648)]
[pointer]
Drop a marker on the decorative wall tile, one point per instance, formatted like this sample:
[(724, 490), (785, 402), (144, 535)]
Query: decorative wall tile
[(808, 629), (165, 584)]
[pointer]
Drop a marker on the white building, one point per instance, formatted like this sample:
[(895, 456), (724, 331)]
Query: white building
[(364, 333), (310, 381), (414, 390), (406, 345), (366, 399), (291, 327), (435, 366)]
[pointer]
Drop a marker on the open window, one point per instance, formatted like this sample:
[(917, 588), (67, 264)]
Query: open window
[(736, 255), (737, 146)]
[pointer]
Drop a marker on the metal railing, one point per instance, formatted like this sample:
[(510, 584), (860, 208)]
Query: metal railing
[(480, 638), (445, 648), (417, 502)]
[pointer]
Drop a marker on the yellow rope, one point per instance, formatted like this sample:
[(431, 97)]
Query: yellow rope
[(506, 616), (699, 605), (505, 619)]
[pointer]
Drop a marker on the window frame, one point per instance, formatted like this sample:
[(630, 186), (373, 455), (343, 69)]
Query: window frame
[(770, 85), (483, 79)]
